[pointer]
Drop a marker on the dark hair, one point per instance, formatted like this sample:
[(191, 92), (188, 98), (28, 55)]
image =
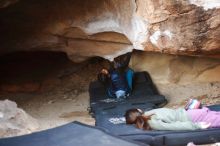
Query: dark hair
[(135, 116), (142, 122), (102, 77), (131, 115)]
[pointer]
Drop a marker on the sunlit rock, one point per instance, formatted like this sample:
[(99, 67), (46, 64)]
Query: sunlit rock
[(15, 121), (189, 27)]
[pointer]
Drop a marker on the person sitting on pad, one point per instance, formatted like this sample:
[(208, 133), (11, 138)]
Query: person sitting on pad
[(170, 119), (118, 79)]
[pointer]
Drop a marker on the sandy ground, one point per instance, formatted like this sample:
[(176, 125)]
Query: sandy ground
[(54, 110)]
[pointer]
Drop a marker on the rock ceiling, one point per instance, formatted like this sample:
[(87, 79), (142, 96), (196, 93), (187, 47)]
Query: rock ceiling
[(107, 28)]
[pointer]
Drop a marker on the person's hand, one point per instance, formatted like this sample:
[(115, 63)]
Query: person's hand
[(104, 71), (204, 125)]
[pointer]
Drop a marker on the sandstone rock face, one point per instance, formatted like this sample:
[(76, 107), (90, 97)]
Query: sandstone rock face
[(106, 28), (15, 121), (182, 27), (180, 76)]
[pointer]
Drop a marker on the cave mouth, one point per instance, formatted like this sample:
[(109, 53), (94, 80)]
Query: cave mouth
[(29, 71), (48, 86)]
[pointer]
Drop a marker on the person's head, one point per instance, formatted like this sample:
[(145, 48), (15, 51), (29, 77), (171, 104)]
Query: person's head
[(142, 122), (135, 116), (104, 71), (132, 114), (103, 75)]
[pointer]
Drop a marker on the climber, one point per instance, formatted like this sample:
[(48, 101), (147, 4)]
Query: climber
[(118, 79)]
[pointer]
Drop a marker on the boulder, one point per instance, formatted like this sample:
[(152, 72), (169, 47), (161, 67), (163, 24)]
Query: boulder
[(15, 121)]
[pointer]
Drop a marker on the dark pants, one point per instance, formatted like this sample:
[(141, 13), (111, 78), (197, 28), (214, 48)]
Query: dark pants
[(129, 73)]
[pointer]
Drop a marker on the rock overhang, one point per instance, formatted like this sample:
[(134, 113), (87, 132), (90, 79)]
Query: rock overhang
[(84, 29)]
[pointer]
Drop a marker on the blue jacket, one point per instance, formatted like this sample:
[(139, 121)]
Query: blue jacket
[(117, 82)]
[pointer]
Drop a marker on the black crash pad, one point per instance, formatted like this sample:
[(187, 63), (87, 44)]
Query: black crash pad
[(214, 107), (73, 134), (144, 91), (176, 138), (107, 119), (112, 118), (109, 113)]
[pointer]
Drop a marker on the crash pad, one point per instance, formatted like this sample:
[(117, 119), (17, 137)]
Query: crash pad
[(72, 134)]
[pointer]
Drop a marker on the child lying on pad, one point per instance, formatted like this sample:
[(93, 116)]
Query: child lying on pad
[(173, 119)]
